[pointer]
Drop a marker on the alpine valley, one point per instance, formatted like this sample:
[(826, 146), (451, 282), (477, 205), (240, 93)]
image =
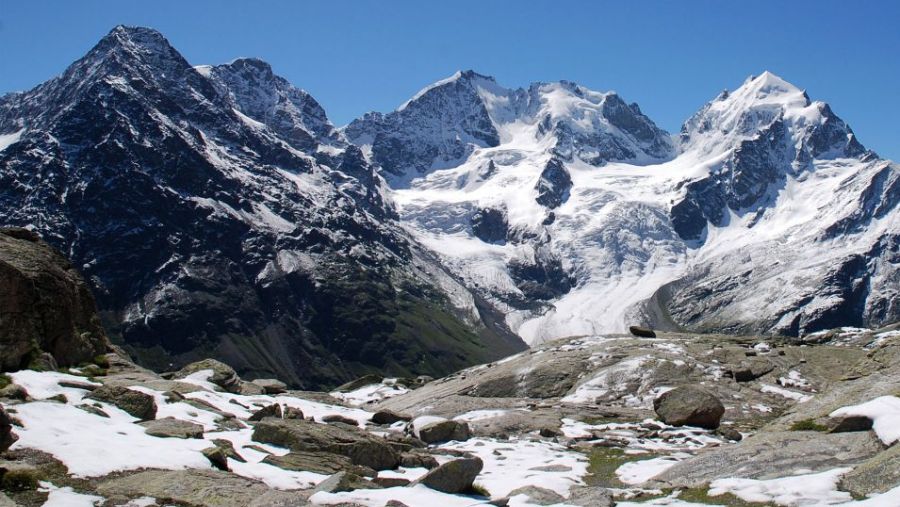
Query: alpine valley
[(216, 212)]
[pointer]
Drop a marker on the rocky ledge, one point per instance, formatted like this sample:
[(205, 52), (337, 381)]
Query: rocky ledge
[(679, 419)]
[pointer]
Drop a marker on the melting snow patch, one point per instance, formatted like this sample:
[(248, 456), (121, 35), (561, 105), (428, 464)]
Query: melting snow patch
[(509, 465), (639, 472), (415, 495), (792, 395), (480, 415), (809, 489), (91, 445), (669, 501), (884, 413), (372, 393), (794, 379), (67, 497)]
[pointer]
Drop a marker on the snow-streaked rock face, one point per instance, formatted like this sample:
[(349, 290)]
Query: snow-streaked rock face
[(446, 122), (217, 212), (765, 215)]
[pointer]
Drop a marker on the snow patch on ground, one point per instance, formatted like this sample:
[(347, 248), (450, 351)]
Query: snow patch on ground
[(512, 464), (884, 413), (371, 393)]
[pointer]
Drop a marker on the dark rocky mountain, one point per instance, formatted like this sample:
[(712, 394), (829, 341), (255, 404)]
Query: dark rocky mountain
[(217, 212)]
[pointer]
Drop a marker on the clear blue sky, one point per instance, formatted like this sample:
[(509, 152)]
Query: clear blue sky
[(669, 56)]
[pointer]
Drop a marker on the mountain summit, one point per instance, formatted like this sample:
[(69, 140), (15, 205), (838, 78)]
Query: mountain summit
[(446, 122), (578, 215), (216, 211)]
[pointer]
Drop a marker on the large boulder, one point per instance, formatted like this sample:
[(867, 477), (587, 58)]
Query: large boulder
[(136, 403), (198, 488), (689, 406), (641, 331), (769, 455), (453, 476), (877, 475), (389, 417), (46, 305), (751, 369), (300, 435), (443, 431), (7, 437), (221, 375), (306, 461)]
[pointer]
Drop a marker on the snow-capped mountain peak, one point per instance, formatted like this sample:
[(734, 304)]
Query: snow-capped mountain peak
[(756, 107), (456, 116), (581, 218)]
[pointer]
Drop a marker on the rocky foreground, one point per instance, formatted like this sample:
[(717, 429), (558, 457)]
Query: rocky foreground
[(628, 420), (677, 419)]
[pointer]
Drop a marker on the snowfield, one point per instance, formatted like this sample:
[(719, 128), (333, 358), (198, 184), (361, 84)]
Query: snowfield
[(615, 234)]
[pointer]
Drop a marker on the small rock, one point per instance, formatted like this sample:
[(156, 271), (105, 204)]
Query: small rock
[(389, 417), (273, 410), (538, 495), (217, 457), (7, 437), (173, 396), (363, 381), (292, 413), (78, 385), (223, 375), (170, 427), (453, 476), (418, 460), (228, 449), (689, 406), (444, 431), (643, 332), (337, 418), (18, 476), (14, 392), (271, 385), (250, 389), (344, 481), (136, 403), (93, 410), (59, 398), (548, 432), (730, 433), (44, 362), (391, 482), (395, 503)]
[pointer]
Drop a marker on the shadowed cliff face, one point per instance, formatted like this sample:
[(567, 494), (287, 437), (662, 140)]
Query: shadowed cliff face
[(45, 305), (207, 232)]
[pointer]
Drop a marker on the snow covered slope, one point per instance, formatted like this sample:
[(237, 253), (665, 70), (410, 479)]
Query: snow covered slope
[(577, 215)]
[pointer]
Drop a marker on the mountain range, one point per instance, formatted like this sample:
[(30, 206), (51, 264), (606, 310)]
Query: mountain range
[(216, 211)]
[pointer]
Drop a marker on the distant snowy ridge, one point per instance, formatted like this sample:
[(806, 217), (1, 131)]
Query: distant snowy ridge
[(578, 215)]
